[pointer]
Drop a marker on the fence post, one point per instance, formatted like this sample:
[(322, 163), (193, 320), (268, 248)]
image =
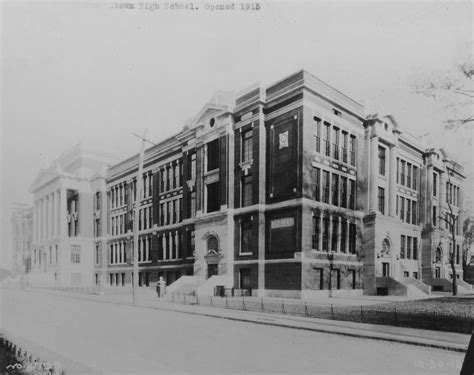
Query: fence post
[(332, 312), (306, 309), (282, 307), (263, 308)]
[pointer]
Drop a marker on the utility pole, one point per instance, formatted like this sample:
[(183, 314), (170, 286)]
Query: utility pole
[(136, 214)]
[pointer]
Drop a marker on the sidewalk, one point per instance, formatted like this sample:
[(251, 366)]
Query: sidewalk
[(435, 339)]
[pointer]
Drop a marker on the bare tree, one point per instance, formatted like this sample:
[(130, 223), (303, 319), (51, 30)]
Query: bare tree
[(451, 219), (455, 89)]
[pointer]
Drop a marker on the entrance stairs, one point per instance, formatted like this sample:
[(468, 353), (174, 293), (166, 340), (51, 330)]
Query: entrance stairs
[(411, 287)]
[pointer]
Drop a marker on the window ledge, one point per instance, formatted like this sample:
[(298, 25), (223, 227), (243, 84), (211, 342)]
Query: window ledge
[(245, 254)]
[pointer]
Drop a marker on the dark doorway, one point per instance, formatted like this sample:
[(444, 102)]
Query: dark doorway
[(211, 270)]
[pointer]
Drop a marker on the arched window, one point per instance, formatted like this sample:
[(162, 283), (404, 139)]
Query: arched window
[(212, 244), (438, 254)]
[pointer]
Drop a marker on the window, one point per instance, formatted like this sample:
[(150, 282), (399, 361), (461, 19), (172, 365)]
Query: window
[(247, 145), (318, 134), (213, 197), (169, 180), (343, 236), (335, 233), (315, 234), (435, 184), (398, 170), (408, 247), (352, 146), (327, 132), (325, 234), (192, 241), (344, 146), (326, 183), (336, 143), (162, 214), (457, 254), (352, 238), (402, 247), (175, 216), (176, 175), (406, 274), (415, 275), (402, 208), (408, 218), (381, 199), (434, 216), (75, 254), (317, 185), (247, 190), (415, 249), (415, 178), (344, 192), (212, 149), (409, 175), (382, 161), (413, 213), (246, 237), (335, 189), (402, 172), (352, 194)]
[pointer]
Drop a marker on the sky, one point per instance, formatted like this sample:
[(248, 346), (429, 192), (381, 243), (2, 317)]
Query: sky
[(93, 72)]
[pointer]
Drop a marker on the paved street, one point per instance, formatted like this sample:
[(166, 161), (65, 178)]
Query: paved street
[(123, 339)]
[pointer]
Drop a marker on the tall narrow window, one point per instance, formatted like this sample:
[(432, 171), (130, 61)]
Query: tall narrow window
[(352, 238), (212, 149), (247, 145), (402, 208), (246, 237), (247, 190), (325, 234), (336, 143), (398, 170), (318, 134), (327, 132), (402, 247), (353, 149), (335, 233), (408, 247), (415, 248), (192, 174), (381, 199), (192, 204), (409, 175), (434, 216), (212, 197), (343, 235), (382, 161), (344, 146), (408, 218), (415, 178), (326, 184), (413, 213), (352, 193), (335, 189), (344, 192), (315, 234), (317, 185), (402, 173), (435, 184)]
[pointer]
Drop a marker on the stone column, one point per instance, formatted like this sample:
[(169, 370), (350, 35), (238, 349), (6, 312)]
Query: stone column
[(63, 213), (374, 172), (392, 183)]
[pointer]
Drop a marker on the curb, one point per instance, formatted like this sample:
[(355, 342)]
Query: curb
[(330, 326)]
